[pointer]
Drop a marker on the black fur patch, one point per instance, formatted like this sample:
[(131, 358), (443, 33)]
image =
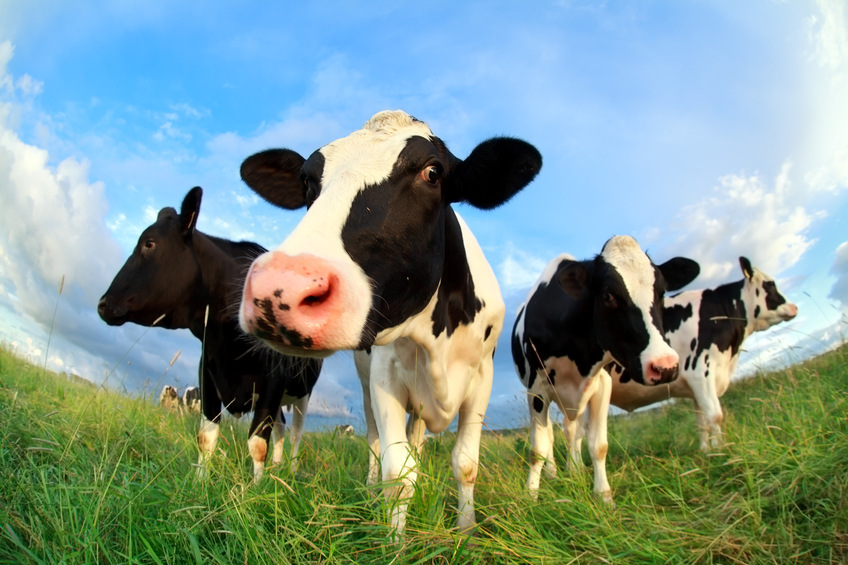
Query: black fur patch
[(538, 404)]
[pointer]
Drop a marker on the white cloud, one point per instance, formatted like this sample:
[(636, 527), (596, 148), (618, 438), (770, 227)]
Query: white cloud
[(828, 34), (839, 290), (743, 217), (833, 176), (519, 269), (26, 84), (168, 129)]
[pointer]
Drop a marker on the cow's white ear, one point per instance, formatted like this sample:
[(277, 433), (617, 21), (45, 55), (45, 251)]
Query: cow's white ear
[(573, 277), (678, 272), (495, 171), (190, 210), (274, 175), (747, 269)]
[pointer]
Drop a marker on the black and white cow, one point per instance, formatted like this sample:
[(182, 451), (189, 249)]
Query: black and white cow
[(579, 316), (179, 271), (381, 264), (707, 328), (191, 399), (169, 398)]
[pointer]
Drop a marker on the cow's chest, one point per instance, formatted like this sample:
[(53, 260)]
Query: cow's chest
[(562, 382)]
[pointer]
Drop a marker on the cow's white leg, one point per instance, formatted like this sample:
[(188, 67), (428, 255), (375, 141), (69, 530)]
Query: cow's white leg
[(388, 400), (574, 432), (541, 444), (703, 427), (279, 433), (415, 428), (258, 449), (207, 440), (550, 462), (466, 452), (299, 408), (597, 433), (707, 410), (362, 361)]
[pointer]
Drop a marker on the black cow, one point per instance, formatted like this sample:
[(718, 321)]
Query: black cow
[(579, 316), (179, 271), (707, 328)]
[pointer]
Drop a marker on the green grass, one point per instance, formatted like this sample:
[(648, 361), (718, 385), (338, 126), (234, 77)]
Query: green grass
[(91, 476)]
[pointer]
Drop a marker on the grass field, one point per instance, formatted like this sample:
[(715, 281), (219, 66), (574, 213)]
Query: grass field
[(89, 476)]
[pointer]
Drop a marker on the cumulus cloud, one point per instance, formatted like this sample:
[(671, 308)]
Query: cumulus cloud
[(743, 216), (839, 290)]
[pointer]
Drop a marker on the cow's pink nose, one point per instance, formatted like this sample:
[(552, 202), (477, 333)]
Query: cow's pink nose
[(791, 311), (290, 300), (662, 369)]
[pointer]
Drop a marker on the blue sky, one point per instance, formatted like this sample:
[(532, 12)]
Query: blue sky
[(705, 129)]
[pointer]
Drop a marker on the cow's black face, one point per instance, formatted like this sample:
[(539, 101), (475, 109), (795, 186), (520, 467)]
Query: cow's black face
[(160, 272), (370, 252)]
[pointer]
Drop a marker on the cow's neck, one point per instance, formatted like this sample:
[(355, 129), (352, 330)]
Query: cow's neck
[(456, 302), (215, 285)]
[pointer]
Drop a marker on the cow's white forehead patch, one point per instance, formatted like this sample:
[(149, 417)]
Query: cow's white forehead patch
[(623, 253), (367, 156)]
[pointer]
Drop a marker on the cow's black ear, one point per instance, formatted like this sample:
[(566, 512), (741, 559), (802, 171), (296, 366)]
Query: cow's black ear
[(679, 271), (747, 269), (274, 175), (494, 172), (190, 210), (573, 277)]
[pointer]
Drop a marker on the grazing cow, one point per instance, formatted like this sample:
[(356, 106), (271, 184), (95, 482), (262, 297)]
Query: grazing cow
[(707, 329), (188, 276), (191, 399), (578, 317), (169, 398), (345, 430), (381, 264)]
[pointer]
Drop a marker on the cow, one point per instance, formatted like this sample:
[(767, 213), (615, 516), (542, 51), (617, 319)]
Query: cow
[(191, 399), (194, 279), (169, 398), (579, 316), (381, 264), (707, 328), (345, 430)]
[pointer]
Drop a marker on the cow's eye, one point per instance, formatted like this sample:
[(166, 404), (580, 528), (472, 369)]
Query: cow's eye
[(430, 174), (609, 299), (149, 245)]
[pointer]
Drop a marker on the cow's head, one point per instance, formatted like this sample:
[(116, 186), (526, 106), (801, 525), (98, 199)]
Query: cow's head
[(764, 304), (627, 292), (168, 397), (370, 251), (159, 274)]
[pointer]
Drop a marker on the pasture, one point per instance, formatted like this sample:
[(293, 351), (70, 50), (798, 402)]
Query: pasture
[(92, 476)]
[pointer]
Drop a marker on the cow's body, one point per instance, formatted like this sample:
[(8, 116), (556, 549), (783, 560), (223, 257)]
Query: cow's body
[(191, 399), (381, 264), (577, 318), (707, 329), (179, 271)]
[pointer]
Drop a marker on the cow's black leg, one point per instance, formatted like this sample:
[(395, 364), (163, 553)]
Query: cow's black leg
[(207, 436), (265, 413)]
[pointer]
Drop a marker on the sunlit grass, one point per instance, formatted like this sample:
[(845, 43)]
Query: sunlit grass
[(92, 476)]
